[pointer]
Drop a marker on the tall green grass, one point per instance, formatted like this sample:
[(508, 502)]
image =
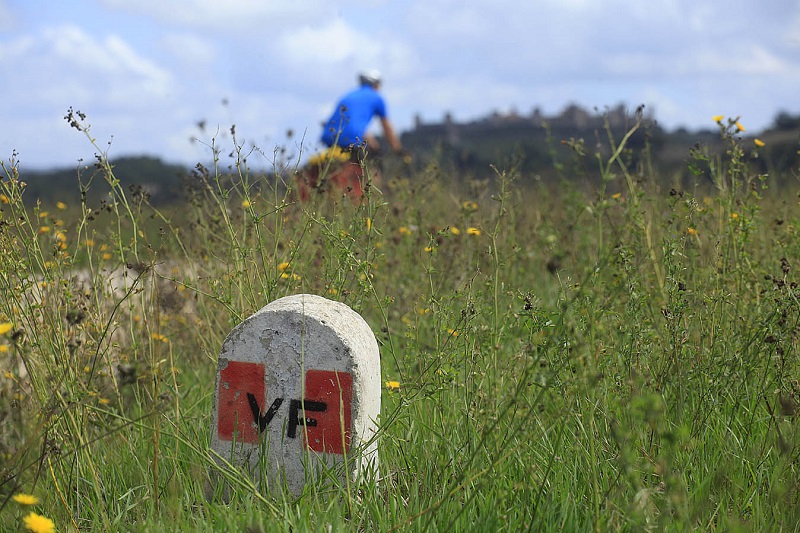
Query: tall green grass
[(603, 355)]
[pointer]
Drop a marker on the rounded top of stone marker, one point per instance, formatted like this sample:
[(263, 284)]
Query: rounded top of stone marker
[(335, 315), (309, 304)]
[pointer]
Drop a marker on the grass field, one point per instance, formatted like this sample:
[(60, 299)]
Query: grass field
[(608, 354)]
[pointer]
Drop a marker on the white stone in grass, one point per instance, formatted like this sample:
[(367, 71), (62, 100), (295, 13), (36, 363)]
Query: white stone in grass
[(298, 394)]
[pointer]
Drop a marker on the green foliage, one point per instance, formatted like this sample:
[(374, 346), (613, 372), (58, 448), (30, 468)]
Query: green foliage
[(142, 175), (609, 357)]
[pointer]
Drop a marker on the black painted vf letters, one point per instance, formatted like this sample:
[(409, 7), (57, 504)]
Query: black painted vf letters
[(295, 418)]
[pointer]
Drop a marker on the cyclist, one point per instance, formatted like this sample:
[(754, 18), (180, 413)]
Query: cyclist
[(347, 127), (345, 134)]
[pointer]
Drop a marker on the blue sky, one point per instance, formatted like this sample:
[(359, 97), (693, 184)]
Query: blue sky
[(146, 72)]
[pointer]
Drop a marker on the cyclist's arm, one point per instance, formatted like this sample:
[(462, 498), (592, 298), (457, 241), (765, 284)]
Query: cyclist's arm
[(390, 135)]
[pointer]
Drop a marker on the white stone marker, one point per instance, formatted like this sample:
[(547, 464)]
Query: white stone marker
[(298, 389)]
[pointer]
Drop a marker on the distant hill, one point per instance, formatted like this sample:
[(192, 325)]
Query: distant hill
[(545, 146), (143, 175), (538, 146)]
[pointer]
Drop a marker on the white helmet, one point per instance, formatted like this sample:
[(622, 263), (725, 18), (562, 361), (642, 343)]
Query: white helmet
[(371, 76)]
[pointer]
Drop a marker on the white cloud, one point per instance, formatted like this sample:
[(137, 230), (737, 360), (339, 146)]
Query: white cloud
[(191, 50), (335, 42), (227, 18), (65, 64), (736, 61), (13, 50), (61, 67), (792, 34), (336, 49), (703, 62), (6, 17)]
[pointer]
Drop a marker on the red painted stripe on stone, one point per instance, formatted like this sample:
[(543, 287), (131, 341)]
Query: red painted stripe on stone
[(335, 390), (234, 414)]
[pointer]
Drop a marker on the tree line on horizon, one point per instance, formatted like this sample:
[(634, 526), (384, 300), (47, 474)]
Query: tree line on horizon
[(547, 148)]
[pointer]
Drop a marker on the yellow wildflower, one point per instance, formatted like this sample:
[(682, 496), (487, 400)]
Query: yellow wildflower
[(3, 198), (106, 256), (8, 375), (26, 499), (246, 204), (404, 231), (44, 214), (717, 118), (283, 266), (44, 229), (739, 126), (470, 206), (616, 196), (336, 154), (452, 332), (473, 231), (4, 348), (368, 222), (454, 230), (103, 401), (392, 385), (38, 523), (691, 231), (734, 216), (89, 243), (429, 249), (61, 205), (159, 337), (5, 327), (759, 143)]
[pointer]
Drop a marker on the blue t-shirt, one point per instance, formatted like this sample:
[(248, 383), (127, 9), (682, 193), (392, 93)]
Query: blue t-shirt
[(353, 114)]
